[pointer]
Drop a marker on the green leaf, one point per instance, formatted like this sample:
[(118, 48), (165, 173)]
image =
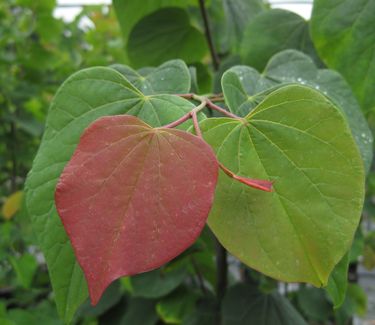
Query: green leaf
[(201, 78), (347, 45), (84, 97), (205, 313), (369, 251), (243, 304), (175, 306), (313, 304), (273, 31), (140, 311), (158, 283), (171, 77), (165, 34), (129, 12), (300, 141), (357, 246), (25, 268), (110, 298), (245, 88), (338, 282), (44, 313), (238, 14)]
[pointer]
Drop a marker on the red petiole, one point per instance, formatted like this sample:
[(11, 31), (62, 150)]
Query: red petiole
[(259, 184)]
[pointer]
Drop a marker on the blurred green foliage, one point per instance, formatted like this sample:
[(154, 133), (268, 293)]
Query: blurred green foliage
[(37, 53)]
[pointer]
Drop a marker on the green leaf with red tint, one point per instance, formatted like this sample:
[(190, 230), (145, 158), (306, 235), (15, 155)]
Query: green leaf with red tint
[(134, 197)]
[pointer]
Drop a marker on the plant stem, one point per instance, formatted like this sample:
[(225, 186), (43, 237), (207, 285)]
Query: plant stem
[(259, 184), (208, 104), (214, 55), (211, 105), (188, 115), (199, 275), (222, 270)]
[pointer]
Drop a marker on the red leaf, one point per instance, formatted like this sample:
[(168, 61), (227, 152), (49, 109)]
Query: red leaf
[(132, 197)]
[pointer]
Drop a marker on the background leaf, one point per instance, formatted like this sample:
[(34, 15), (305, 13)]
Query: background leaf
[(243, 304), (347, 43), (157, 283), (163, 35), (273, 31), (238, 14), (338, 282), (11, 205)]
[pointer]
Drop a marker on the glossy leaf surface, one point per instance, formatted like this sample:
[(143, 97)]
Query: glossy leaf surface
[(344, 35), (114, 197), (300, 141), (171, 77), (245, 87), (84, 97)]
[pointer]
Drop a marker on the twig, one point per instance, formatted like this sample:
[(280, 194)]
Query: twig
[(210, 104), (222, 270), (214, 55), (199, 276)]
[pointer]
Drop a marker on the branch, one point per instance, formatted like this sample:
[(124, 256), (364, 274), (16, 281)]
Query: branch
[(209, 104), (207, 31)]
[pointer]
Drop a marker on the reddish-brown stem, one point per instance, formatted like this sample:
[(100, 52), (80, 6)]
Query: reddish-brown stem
[(255, 183), (186, 96), (210, 104), (196, 124), (181, 120)]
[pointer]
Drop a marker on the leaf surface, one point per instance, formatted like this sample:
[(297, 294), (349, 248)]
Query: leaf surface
[(11, 205), (134, 197), (157, 283), (238, 14), (348, 45), (273, 31), (338, 281), (129, 12), (171, 77), (163, 35), (84, 97), (300, 141), (244, 88), (243, 304)]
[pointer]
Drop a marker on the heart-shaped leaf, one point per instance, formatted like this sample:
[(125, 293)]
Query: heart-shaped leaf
[(245, 87), (84, 97), (300, 141), (273, 31), (133, 197), (163, 35), (171, 77), (129, 12)]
